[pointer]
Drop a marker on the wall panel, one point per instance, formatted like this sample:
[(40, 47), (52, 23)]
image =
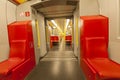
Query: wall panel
[(89, 7), (111, 9)]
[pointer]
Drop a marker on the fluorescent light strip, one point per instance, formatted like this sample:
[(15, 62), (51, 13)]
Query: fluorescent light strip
[(69, 26), (67, 22), (56, 26), (54, 22)]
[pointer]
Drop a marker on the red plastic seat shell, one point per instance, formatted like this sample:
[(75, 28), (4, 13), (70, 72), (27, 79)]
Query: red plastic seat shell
[(94, 58), (105, 67), (97, 57), (68, 38), (93, 26), (7, 66), (96, 47), (53, 39), (21, 58)]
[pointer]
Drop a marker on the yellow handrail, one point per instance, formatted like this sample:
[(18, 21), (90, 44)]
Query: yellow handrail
[(77, 31), (38, 33)]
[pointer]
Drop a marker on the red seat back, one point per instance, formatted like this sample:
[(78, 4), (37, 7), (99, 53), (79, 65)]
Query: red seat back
[(68, 37), (22, 30), (19, 30), (54, 38), (18, 49), (92, 27), (96, 47)]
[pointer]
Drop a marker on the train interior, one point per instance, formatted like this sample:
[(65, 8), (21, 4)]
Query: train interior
[(60, 40)]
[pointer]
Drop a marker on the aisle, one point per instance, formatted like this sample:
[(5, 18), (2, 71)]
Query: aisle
[(59, 64), (56, 70), (60, 52)]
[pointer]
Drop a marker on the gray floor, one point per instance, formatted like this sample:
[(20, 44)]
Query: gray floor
[(59, 64), (56, 70), (59, 55)]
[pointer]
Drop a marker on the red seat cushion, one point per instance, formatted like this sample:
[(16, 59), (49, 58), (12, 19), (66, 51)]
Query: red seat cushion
[(106, 68), (7, 65)]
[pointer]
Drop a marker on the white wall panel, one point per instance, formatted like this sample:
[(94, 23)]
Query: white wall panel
[(11, 12), (7, 15), (36, 48), (43, 49), (21, 9), (89, 7), (111, 10), (4, 45)]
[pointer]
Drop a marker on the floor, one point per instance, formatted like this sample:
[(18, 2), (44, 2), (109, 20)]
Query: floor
[(59, 64)]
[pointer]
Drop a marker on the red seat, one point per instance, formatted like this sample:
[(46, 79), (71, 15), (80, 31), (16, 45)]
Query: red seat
[(53, 39), (68, 39), (105, 68), (94, 50), (97, 57), (21, 56)]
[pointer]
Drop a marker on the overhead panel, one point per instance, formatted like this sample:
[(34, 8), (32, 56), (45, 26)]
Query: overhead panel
[(56, 8)]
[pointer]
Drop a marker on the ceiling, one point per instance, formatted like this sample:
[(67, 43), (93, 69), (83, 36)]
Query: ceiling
[(56, 8)]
